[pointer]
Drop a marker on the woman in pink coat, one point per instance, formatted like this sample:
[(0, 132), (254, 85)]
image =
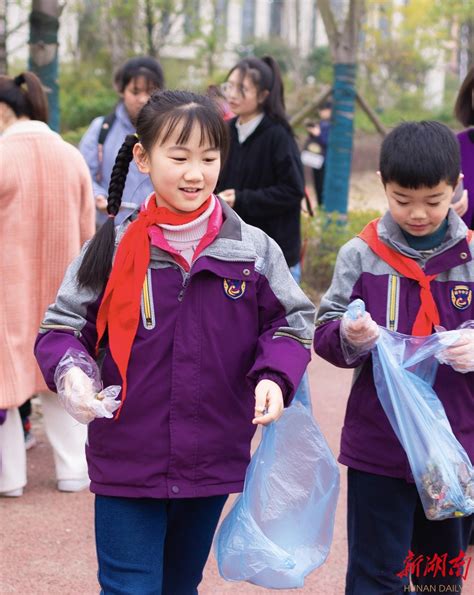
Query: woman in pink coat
[(46, 214)]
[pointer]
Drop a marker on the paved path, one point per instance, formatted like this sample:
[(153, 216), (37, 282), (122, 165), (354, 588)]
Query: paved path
[(47, 538)]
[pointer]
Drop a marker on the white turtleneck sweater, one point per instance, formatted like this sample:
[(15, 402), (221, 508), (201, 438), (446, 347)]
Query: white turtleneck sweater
[(185, 238)]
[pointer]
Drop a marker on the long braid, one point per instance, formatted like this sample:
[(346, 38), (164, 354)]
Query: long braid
[(119, 173), (97, 262)]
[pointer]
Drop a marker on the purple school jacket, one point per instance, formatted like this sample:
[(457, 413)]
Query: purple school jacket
[(368, 442), (205, 339)]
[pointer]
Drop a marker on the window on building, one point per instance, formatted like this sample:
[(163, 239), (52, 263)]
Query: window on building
[(191, 16), (248, 20), (221, 17), (276, 12)]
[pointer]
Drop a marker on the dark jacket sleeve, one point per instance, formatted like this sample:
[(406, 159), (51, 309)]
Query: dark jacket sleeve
[(288, 187)]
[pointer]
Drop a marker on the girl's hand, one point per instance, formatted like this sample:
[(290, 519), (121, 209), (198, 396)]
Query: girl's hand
[(78, 396), (460, 207), (268, 402), (101, 203), (228, 196)]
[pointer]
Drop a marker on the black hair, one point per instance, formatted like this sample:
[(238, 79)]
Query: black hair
[(157, 120), (25, 96), (416, 154), (266, 76), (141, 66), (464, 106)]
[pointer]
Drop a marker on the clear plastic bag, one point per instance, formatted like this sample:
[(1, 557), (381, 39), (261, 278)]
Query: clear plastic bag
[(80, 389), (404, 372), (280, 528)]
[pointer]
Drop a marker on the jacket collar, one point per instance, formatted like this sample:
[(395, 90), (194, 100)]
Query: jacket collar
[(229, 244), (123, 116), (265, 123), (453, 250), (28, 127)]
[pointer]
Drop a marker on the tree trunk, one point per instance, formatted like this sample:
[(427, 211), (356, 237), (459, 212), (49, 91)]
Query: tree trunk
[(150, 28), (44, 26), (3, 37), (337, 168), (344, 45)]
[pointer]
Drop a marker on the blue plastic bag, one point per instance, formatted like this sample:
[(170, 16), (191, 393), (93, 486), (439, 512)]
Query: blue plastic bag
[(404, 372), (280, 528)]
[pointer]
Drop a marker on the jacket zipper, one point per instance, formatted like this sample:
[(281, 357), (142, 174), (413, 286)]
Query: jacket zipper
[(147, 302)]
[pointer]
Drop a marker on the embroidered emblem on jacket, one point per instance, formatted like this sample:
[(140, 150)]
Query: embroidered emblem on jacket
[(234, 289), (461, 297)]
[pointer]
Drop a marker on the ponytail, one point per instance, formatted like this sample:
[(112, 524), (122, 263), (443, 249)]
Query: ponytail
[(25, 96), (274, 105), (97, 262), (266, 76)]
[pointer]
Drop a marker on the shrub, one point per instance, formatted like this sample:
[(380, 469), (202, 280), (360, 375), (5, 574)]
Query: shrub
[(324, 234)]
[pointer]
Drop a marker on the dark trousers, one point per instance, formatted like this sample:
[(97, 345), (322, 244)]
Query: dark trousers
[(154, 547), (318, 180), (385, 520)]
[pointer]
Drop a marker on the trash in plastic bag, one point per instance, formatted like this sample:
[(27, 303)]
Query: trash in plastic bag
[(280, 528), (405, 368), (80, 389)]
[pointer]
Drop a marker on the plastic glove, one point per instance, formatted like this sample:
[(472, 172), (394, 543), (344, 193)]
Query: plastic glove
[(358, 331), (268, 402), (460, 356), (79, 386)]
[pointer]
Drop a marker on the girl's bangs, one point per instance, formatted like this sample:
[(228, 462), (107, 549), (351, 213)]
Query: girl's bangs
[(211, 127)]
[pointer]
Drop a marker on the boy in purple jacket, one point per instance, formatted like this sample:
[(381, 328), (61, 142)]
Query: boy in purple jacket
[(419, 168)]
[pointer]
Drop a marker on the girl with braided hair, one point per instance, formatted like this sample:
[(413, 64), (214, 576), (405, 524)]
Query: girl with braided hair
[(195, 316)]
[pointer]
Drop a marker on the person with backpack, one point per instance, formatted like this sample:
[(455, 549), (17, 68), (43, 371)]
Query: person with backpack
[(135, 81)]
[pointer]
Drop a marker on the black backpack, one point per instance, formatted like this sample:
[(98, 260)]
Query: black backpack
[(104, 131)]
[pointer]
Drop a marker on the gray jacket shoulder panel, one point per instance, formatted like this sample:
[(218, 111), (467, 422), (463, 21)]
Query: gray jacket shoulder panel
[(70, 308)]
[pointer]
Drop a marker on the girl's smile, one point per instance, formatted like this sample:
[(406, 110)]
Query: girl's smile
[(183, 175)]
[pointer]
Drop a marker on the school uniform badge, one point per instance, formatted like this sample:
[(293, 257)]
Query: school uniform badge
[(461, 296), (234, 289)]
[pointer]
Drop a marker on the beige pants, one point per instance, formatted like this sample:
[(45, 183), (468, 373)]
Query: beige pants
[(66, 435)]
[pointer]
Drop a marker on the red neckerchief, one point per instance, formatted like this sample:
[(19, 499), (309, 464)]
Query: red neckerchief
[(119, 310), (428, 314)]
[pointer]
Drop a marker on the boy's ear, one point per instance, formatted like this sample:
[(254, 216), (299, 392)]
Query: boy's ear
[(141, 158)]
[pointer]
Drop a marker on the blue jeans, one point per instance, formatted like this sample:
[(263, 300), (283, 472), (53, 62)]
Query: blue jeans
[(147, 546), (302, 392)]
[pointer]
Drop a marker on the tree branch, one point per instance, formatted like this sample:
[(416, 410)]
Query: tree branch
[(329, 23)]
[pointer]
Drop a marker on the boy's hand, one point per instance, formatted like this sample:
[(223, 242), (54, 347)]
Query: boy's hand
[(268, 402), (361, 333), (460, 356)]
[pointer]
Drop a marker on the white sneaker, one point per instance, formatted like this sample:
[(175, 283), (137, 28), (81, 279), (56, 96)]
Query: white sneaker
[(12, 493), (73, 485)]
